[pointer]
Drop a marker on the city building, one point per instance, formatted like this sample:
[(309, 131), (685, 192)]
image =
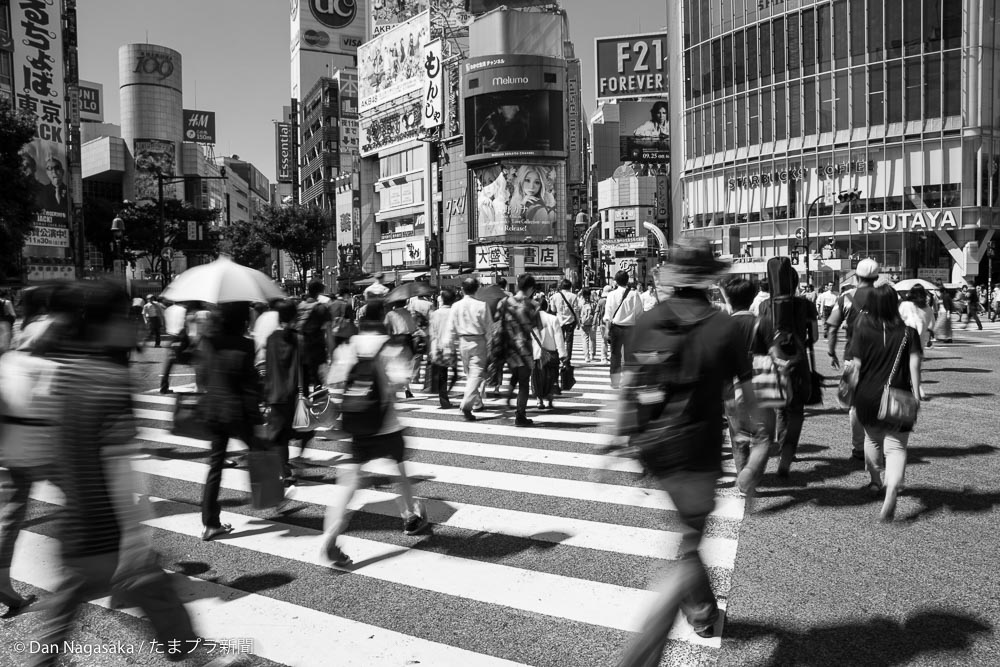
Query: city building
[(839, 129), (255, 194), (38, 74)]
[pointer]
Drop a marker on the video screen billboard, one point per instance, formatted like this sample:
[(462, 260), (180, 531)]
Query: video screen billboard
[(386, 129), (644, 131), (391, 65), (515, 123), (631, 66), (152, 157), (516, 200)]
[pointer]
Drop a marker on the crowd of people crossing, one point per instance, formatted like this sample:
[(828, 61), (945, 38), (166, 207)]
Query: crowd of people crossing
[(683, 363)]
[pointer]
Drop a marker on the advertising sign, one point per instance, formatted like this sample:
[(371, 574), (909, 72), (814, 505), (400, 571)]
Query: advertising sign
[(483, 6), (330, 26), (389, 128), (433, 96), (494, 256), (453, 101), (199, 126), (387, 14), (54, 237), (91, 101), (574, 167), (631, 66), (152, 157), (39, 89), (644, 131), (151, 64), (514, 124), (283, 152), (516, 200), (390, 65)]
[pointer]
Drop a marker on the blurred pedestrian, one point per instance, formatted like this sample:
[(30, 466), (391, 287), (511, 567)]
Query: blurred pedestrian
[(972, 306), (696, 350), (824, 304), (549, 351), (888, 354), (402, 330), (917, 313), (313, 323), (342, 319), (230, 405), (942, 326), (390, 363), (587, 325), (518, 315), (620, 315), (181, 324), (602, 327), (103, 546), (566, 307), (650, 297), (283, 382), (443, 347)]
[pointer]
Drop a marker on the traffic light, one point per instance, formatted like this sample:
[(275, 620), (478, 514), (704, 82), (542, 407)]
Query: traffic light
[(848, 196), (795, 258)]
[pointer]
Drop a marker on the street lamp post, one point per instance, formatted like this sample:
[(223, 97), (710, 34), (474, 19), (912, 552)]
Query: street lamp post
[(118, 231), (844, 197)]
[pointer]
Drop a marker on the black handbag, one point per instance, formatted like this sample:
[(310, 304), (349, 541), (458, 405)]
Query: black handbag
[(267, 489), (188, 420), (567, 376)]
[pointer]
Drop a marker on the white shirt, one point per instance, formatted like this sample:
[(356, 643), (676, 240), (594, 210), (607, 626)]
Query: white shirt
[(630, 310), (551, 336), (470, 317), (757, 300), (558, 305), (827, 299), (649, 299)]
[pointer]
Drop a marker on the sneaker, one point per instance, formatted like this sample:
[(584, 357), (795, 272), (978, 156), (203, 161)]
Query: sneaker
[(212, 532), (523, 421), (408, 394), (857, 456), (336, 555), (415, 523), (166, 390), (469, 417)]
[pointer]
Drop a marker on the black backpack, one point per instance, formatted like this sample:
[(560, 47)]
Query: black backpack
[(788, 347), (362, 409), (309, 320)]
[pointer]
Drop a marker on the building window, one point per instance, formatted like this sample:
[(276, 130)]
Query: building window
[(825, 103), (809, 107), (951, 24), (913, 111), (857, 31), (779, 114), (778, 50), (727, 64), (753, 69), (824, 42), (894, 92), (952, 83), (912, 38), (739, 61), (716, 66), (932, 86), (841, 104), (859, 97), (754, 117), (840, 33), (876, 41), (894, 28), (792, 42), (765, 53), (794, 106), (741, 119), (730, 129)]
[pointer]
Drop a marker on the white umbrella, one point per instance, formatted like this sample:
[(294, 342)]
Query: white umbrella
[(222, 281), (910, 283)]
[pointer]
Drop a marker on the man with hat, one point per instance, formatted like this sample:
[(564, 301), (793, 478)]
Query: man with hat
[(849, 305), (695, 349), (376, 290)]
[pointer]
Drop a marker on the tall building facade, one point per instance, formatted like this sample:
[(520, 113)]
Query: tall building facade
[(839, 129)]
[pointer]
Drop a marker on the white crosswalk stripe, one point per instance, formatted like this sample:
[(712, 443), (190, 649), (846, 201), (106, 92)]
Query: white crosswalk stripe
[(533, 532)]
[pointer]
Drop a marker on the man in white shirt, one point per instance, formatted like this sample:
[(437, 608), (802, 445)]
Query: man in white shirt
[(550, 335), (649, 298), (763, 295), (620, 314), (470, 324), (564, 306), (824, 304)]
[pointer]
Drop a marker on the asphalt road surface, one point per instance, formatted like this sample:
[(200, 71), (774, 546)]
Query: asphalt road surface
[(540, 557)]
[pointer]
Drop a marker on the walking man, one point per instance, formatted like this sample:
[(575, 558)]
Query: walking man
[(470, 324), (518, 315), (708, 351), (152, 314), (620, 314), (565, 305)]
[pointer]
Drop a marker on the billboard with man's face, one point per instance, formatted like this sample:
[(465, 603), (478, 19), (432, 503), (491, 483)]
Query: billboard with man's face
[(516, 123), (516, 200), (644, 131), (152, 157)]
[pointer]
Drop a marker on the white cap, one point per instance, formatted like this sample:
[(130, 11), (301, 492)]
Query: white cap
[(867, 269)]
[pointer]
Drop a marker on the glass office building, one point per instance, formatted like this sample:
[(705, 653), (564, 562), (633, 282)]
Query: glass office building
[(790, 105)]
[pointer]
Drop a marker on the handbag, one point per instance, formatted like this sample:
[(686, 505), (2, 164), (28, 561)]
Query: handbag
[(267, 489), (188, 421), (898, 407), (28, 412), (567, 376), (847, 385), (768, 386), (815, 379), (547, 357)]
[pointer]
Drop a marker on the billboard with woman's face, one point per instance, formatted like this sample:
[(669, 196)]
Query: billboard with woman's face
[(644, 131), (516, 200)]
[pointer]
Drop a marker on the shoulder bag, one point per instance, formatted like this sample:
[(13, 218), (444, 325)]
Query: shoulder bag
[(899, 407), (576, 320)]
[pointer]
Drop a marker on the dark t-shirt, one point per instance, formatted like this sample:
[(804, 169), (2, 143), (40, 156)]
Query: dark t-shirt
[(849, 306), (717, 349), (745, 323), (876, 348)]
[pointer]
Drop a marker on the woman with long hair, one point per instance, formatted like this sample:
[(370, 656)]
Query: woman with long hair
[(532, 201), (916, 312), (887, 352)]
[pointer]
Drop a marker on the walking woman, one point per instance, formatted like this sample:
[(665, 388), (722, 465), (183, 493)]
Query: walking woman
[(942, 328), (887, 353), (917, 313)]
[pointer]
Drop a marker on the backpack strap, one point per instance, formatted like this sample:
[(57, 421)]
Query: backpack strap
[(566, 301)]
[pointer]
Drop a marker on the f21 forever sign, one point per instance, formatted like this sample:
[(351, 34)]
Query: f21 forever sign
[(631, 66)]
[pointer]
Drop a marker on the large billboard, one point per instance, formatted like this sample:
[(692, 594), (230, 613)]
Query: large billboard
[(91, 101), (391, 65), (199, 126), (387, 14), (329, 26), (483, 6), (376, 132), (514, 124), (516, 200), (631, 66), (283, 152), (40, 90), (644, 131), (152, 157)]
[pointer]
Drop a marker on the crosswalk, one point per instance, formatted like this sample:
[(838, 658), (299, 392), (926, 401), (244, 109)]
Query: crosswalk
[(542, 552)]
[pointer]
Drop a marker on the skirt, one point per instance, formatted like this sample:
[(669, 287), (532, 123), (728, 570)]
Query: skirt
[(942, 326), (366, 448)]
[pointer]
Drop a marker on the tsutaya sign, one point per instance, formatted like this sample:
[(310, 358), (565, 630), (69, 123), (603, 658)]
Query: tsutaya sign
[(907, 221)]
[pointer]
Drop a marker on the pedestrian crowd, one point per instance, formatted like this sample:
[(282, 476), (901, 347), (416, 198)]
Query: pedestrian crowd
[(683, 364)]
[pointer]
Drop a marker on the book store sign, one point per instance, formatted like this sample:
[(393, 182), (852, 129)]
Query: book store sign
[(908, 221)]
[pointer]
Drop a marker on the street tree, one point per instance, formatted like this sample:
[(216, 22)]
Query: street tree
[(301, 231), (17, 189), (243, 242), (144, 239)]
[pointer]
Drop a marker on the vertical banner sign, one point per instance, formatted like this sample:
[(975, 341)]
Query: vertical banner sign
[(283, 152), (433, 86), (573, 102), (39, 89), (453, 103), (631, 66)]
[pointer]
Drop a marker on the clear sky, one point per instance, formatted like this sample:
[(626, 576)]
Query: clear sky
[(236, 58)]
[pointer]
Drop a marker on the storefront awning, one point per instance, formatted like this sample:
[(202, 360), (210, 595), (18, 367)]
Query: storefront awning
[(412, 275)]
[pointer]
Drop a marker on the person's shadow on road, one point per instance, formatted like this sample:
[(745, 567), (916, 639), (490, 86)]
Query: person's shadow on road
[(875, 642)]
